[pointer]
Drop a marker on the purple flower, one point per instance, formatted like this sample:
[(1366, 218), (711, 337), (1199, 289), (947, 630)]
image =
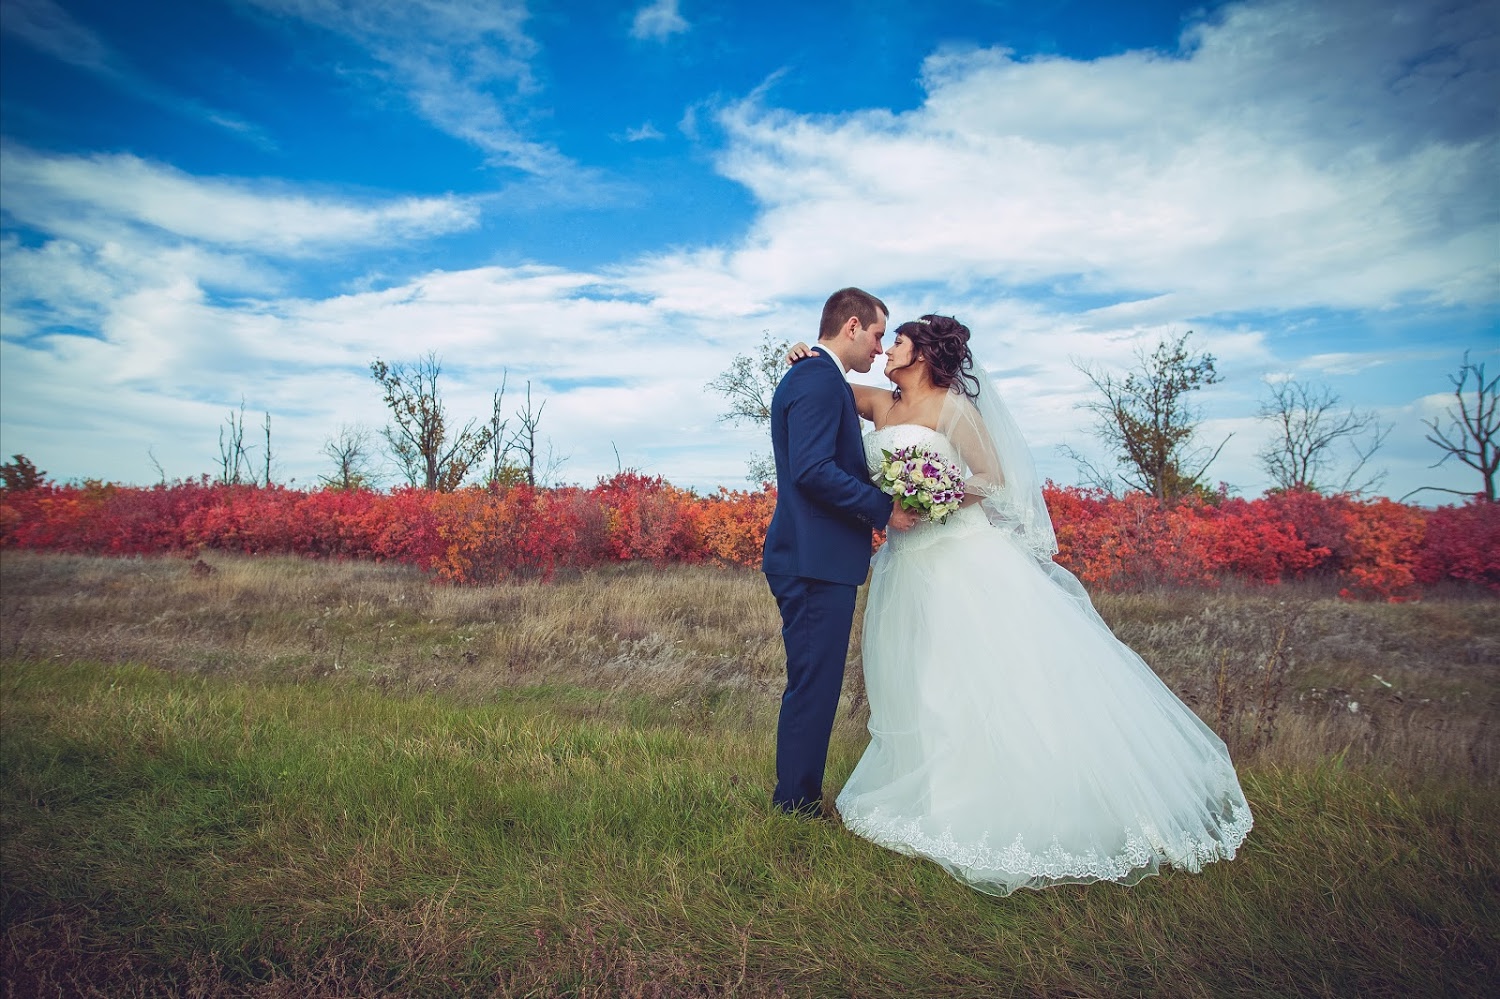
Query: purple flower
[(924, 480)]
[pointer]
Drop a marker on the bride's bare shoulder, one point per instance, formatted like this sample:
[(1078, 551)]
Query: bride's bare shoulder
[(871, 402)]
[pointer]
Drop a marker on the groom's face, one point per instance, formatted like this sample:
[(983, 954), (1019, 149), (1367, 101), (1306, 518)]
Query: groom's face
[(867, 344)]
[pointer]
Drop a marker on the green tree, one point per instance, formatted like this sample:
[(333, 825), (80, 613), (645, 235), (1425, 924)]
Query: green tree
[(19, 474), (419, 438), (749, 383), (1147, 420)]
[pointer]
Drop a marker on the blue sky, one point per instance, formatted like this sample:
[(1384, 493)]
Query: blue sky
[(207, 202)]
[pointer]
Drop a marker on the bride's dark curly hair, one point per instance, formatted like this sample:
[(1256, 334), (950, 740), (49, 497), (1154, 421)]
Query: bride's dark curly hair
[(944, 342)]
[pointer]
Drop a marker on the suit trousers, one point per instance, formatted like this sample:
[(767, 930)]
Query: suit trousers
[(816, 617)]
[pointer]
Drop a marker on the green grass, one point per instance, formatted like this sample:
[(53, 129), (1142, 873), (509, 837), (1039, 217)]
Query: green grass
[(171, 834)]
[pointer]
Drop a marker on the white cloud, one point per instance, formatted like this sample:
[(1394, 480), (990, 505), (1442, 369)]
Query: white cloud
[(1289, 157), (47, 27), (1342, 363), (644, 133), (59, 193), (123, 307), (614, 373), (464, 64), (658, 21)]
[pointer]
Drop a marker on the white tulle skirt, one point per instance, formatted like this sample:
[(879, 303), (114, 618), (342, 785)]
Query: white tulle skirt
[(1013, 739)]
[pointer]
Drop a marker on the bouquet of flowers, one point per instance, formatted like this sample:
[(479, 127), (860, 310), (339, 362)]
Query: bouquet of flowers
[(923, 479)]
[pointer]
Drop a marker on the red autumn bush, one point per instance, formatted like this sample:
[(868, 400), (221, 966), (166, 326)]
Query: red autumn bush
[(1250, 540), (1383, 536), (649, 519), (1118, 543), (1321, 522), (1374, 548), (1461, 543)]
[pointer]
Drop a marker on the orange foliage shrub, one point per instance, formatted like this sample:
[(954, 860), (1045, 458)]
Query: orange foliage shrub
[(521, 532), (1119, 543), (1375, 548), (732, 525), (1383, 536)]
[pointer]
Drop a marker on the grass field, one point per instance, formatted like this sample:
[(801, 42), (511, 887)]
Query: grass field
[(272, 777)]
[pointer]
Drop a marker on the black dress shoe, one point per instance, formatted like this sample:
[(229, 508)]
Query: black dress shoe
[(804, 810)]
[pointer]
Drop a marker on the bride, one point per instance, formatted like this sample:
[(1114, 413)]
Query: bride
[(1013, 739)]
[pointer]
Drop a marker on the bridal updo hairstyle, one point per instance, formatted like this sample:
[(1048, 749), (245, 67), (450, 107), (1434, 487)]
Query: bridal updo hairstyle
[(944, 342)]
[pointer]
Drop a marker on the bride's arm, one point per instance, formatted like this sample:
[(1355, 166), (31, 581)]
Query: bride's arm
[(966, 431), (866, 397)]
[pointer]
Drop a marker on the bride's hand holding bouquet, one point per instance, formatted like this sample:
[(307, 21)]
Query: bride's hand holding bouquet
[(923, 481)]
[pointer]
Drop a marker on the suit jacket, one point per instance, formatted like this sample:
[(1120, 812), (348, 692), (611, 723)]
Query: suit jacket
[(826, 506)]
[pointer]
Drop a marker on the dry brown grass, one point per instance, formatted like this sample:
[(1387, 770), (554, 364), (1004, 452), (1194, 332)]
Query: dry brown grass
[(1287, 674), (1294, 674)]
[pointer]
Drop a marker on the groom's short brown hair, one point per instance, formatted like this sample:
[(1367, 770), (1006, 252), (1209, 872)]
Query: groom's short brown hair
[(848, 302)]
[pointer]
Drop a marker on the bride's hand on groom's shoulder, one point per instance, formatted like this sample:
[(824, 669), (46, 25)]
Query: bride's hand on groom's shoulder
[(798, 351)]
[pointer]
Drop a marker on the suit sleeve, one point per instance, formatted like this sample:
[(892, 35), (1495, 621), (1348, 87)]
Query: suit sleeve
[(813, 419)]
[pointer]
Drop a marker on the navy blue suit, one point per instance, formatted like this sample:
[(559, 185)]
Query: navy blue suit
[(817, 553)]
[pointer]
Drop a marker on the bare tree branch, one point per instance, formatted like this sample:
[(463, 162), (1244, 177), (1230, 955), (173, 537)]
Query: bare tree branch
[(267, 426), (503, 472), (524, 440), (1087, 471), (1473, 433), (1310, 430), (234, 456), (350, 450), (161, 473), (1435, 489)]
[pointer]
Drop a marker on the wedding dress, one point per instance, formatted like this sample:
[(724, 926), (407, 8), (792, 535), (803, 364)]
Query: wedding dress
[(1013, 739)]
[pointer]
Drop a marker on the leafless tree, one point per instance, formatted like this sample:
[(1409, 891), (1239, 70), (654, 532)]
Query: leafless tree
[(350, 450), (234, 456), (503, 472), (1146, 419), (1311, 437), (1472, 434), (749, 383), (161, 473), (419, 438), (267, 426), (535, 464)]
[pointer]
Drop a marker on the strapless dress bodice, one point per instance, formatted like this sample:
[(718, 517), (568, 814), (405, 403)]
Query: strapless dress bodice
[(901, 435), (962, 521)]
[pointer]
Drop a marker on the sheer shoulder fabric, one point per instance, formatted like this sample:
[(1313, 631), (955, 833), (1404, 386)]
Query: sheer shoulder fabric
[(1001, 470)]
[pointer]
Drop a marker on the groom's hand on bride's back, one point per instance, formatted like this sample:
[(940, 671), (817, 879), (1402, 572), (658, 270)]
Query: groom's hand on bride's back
[(902, 519)]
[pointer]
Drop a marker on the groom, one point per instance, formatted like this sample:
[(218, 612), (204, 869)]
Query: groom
[(818, 544)]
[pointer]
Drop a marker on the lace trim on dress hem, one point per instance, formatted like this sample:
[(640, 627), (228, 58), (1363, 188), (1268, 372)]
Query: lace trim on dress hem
[(1017, 865)]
